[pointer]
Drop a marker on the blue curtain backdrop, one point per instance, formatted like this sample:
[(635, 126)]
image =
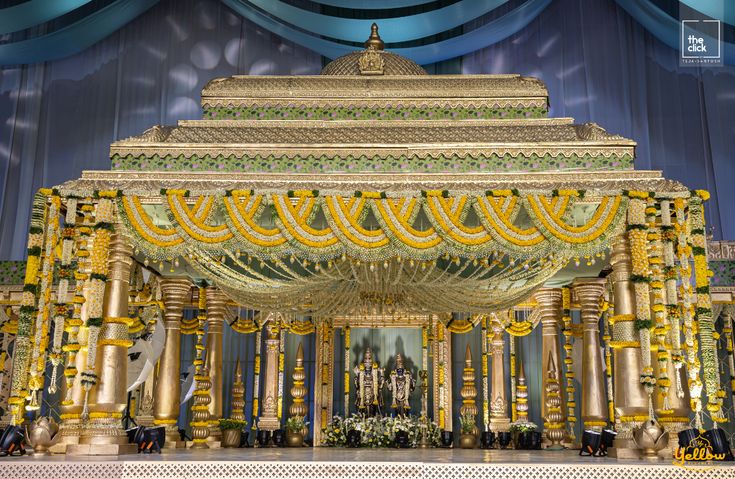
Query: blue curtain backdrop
[(599, 63)]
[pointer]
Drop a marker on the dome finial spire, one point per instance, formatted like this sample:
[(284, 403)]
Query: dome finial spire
[(374, 42)]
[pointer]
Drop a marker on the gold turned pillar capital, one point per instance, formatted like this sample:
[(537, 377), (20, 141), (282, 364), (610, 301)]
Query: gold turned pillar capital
[(588, 292), (216, 307), (620, 259), (548, 302), (176, 293)]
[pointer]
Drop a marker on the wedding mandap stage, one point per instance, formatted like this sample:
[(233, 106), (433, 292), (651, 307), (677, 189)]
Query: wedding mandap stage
[(370, 199)]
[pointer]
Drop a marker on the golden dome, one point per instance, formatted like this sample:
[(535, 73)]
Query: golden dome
[(373, 61)]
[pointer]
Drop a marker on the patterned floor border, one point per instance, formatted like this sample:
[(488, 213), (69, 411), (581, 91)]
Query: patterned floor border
[(27, 469)]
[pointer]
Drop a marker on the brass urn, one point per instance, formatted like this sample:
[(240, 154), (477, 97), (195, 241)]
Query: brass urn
[(42, 434), (650, 437)]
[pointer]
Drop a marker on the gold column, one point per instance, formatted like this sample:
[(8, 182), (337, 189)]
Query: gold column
[(103, 434), (268, 420), (176, 294), (499, 420), (298, 408), (549, 306), (594, 403), (238, 395), (631, 400), (216, 306)]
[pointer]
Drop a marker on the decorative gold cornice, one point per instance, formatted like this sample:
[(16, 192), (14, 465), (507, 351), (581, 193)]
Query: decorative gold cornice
[(430, 89), (150, 183), (422, 138)]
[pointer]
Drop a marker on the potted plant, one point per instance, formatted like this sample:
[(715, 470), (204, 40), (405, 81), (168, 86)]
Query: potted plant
[(525, 435), (295, 427), (467, 426), (231, 431)]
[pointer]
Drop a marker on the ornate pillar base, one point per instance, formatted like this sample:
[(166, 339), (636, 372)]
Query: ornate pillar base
[(69, 429), (104, 437)]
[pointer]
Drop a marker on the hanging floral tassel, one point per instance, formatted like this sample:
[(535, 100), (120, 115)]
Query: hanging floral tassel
[(658, 307), (684, 252), (669, 235), (65, 274), (485, 389), (256, 378), (346, 332), (281, 364), (727, 331)]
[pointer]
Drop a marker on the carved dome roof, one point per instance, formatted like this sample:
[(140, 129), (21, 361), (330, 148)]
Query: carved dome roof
[(390, 63), (393, 65)]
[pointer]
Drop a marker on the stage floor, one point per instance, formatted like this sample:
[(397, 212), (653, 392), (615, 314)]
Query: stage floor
[(354, 463)]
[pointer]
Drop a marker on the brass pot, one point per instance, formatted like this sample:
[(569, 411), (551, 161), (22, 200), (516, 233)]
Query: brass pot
[(294, 439), (231, 438), (41, 434), (467, 441)]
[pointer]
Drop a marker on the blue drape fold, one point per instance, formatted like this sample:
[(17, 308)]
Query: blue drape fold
[(399, 29), (332, 35), (75, 37), (492, 32), (34, 12)]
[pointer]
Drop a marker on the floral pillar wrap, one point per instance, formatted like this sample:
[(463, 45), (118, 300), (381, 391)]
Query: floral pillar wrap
[(19, 380), (41, 330), (705, 318), (638, 237), (104, 217)]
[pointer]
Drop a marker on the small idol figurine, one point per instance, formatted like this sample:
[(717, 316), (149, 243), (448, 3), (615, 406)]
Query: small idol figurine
[(401, 383)]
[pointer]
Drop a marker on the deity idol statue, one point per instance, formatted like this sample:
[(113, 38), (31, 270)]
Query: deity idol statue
[(401, 383), (369, 384)]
